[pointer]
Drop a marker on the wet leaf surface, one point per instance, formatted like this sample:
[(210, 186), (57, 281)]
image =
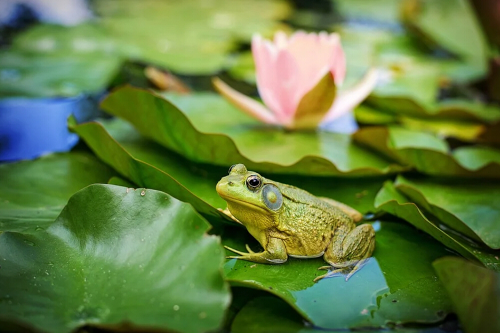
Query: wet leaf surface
[(33, 193), (115, 256)]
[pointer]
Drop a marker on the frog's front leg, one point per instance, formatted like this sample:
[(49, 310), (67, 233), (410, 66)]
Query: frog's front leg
[(349, 248), (228, 213), (275, 253)]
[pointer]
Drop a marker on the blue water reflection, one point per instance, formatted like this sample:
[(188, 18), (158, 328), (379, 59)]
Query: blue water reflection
[(360, 292)]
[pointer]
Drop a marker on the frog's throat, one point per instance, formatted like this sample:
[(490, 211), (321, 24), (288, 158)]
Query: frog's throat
[(243, 203)]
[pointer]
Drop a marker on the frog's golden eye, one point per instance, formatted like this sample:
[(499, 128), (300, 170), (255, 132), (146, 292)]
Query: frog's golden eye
[(231, 168), (253, 182)]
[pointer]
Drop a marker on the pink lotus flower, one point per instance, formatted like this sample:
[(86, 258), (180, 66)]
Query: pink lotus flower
[(297, 78)]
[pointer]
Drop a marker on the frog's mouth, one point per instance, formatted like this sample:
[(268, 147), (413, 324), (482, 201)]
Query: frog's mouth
[(242, 203)]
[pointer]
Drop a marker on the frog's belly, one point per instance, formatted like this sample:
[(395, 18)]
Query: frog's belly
[(304, 248), (307, 257)]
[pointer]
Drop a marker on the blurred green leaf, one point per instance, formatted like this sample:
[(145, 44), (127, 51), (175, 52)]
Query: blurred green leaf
[(33, 193), (470, 207), (388, 289), (210, 130), (380, 11), (474, 291), (115, 257), (429, 154), (54, 75), (191, 37), (450, 24), (390, 200)]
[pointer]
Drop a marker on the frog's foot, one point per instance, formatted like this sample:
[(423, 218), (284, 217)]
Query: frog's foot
[(275, 253), (356, 268), (335, 272)]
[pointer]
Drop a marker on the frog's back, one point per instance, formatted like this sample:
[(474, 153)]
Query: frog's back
[(308, 220)]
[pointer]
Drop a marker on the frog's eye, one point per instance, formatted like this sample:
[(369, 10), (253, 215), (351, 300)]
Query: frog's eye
[(253, 182), (231, 168), (272, 197)]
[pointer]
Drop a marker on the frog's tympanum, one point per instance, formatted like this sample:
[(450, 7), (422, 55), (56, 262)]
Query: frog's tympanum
[(288, 221)]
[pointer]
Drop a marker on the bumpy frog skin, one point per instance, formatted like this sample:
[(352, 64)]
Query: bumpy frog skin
[(288, 221)]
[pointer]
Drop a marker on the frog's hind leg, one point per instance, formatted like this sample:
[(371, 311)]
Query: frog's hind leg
[(349, 249)]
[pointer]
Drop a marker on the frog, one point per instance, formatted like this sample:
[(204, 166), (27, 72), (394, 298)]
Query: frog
[(290, 222)]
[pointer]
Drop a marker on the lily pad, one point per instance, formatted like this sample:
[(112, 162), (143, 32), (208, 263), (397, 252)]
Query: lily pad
[(54, 75), (114, 257), (470, 207), (474, 291), (430, 154), (390, 200), (33, 193), (382, 292), (150, 165), (457, 118), (232, 137), (451, 109)]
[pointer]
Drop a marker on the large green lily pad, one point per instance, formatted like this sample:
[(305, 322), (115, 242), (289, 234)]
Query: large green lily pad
[(210, 130), (153, 166), (390, 200), (115, 256), (429, 154), (388, 289), (33, 193), (474, 291), (470, 207)]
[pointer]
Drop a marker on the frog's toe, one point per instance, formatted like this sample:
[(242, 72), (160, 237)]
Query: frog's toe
[(328, 267), (334, 273), (235, 251), (234, 257), (249, 249)]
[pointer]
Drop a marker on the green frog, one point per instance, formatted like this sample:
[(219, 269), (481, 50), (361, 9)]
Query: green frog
[(288, 221)]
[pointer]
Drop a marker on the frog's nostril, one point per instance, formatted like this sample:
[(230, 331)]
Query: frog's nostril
[(230, 183)]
